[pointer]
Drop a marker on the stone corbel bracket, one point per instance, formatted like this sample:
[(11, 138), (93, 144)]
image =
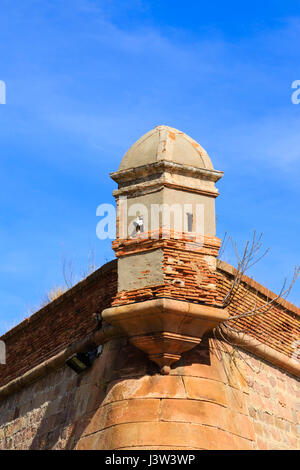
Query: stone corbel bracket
[(164, 328)]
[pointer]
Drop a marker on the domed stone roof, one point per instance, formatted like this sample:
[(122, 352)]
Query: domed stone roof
[(163, 143)]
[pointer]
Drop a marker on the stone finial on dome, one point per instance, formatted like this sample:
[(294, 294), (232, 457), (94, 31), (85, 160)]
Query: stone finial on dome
[(164, 143)]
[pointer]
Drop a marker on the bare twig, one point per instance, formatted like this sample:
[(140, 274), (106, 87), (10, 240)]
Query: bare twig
[(251, 256), (91, 265), (68, 272), (223, 245), (283, 294)]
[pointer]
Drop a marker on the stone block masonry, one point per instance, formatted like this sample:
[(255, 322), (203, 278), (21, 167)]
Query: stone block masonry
[(211, 400)]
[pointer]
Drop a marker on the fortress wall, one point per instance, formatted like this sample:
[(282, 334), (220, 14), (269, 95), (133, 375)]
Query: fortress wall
[(58, 324), (214, 398)]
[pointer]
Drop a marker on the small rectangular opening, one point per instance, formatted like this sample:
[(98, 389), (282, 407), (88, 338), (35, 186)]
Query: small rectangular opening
[(189, 222)]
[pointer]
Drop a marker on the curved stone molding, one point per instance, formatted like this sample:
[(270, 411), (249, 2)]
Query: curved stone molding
[(164, 328), (263, 351)]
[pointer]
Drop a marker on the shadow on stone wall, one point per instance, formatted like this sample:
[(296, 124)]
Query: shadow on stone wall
[(78, 398), (80, 404)]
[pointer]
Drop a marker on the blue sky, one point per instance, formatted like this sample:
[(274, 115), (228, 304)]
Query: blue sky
[(85, 79)]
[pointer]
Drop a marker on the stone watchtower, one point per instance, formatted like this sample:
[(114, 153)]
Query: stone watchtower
[(163, 378), (166, 246)]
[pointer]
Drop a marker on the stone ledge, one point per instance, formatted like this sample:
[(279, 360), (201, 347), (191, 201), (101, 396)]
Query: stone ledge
[(164, 328), (55, 362), (263, 351), (132, 174)]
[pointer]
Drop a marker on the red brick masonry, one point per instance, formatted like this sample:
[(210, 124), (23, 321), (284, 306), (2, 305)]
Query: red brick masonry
[(69, 317), (58, 324), (279, 328)]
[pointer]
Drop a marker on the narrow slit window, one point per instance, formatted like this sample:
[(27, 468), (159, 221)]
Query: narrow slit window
[(189, 222)]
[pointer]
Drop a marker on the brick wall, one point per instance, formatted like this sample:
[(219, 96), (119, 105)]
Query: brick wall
[(279, 327), (60, 323), (189, 269)]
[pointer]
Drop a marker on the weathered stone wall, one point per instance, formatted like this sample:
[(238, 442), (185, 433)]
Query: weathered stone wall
[(214, 398), (273, 403)]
